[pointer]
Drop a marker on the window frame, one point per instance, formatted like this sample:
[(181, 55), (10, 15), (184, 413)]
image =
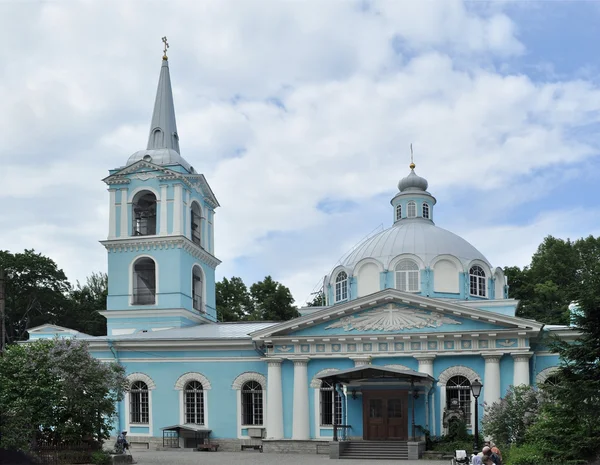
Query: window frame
[(196, 235), (398, 212), (199, 306), (406, 275), (137, 274), (139, 397), (425, 210), (327, 396), (256, 406), (411, 209), (197, 396), (144, 219), (463, 395), (478, 281), (340, 292)]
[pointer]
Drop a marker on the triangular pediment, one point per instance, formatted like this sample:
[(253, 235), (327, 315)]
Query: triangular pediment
[(391, 311)]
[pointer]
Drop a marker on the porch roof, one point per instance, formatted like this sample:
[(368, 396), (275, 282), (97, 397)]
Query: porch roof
[(370, 372), (188, 427)]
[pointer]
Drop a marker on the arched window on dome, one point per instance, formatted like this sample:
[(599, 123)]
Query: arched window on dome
[(458, 395), (398, 212), (411, 210), (407, 276), (341, 286), (426, 210), (477, 280)]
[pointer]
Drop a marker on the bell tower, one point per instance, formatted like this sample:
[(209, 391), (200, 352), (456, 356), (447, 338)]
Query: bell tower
[(161, 263)]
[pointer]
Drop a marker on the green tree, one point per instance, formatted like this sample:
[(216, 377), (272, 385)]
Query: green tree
[(318, 300), (55, 390), (233, 300), (272, 301), (86, 301), (36, 292)]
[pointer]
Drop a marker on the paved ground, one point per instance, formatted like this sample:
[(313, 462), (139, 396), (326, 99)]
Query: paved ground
[(256, 458)]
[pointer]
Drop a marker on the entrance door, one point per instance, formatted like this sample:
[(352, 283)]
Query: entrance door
[(385, 415)]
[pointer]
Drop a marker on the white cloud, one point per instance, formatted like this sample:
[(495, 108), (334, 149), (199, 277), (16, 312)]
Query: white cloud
[(282, 105)]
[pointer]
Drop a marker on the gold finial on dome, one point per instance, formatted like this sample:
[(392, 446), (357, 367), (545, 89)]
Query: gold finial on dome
[(164, 39), (412, 163)]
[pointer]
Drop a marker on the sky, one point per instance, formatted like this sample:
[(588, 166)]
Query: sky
[(300, 114)]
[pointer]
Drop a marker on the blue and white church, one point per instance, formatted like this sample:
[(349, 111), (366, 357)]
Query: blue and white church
[(414, 315)]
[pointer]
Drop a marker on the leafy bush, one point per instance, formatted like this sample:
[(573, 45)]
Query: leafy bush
[(527, 454), (448, 447), (101, 457), (507, 420)]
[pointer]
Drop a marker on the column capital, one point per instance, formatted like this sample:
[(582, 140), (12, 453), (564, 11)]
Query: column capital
[(491, 357), (361, 360), (425, 359), (274, 362), (300, 360), (521, 356)]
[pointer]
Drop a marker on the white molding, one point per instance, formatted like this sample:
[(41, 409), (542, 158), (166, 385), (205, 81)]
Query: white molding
[(237, 385), (177, 209), (139, 189), (187, 360), (249, 376), (112, 207), (543, 375), (457, 370), (399, 367), (139, 376), (163, 227), (391, 267), (366, 261), (192, 376), (316, 383), (149, 243), (124, 214)]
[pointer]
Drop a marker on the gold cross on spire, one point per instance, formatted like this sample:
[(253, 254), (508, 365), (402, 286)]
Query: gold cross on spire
[(164, 39), (412, 163)]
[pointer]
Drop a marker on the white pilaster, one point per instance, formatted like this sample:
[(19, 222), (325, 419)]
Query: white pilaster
[(491, 381), (112, 212), (124, 216), (361, 360), (163, 211), (177, 209), (425, 364), (301, 426), (521, 370), (274, 399)]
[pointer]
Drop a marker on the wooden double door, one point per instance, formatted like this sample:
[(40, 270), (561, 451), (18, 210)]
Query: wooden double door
[(385, 415)]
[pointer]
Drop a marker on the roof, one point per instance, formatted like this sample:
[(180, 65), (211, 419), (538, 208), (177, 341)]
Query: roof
[(55, 329), (414, 236), (370, 372), (206, 331), (188, 427)]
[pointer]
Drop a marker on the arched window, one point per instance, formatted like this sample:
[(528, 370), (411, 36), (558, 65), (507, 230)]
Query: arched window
[(477, 281), (458, 395), (328, 396), (407, 276), (197, 288), (139, 411), (341, 286), (398, 212), (144, 214), (194, 403), (411, 208), (426, 210), (252, 403), (144, 281), (158, 138), (195, 218)]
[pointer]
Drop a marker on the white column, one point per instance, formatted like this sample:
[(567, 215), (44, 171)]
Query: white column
[(425, 364), (112, 220), (301, 426), (521, 370), (362, 360), (177, 209), (274, 399), (124, 216), (491, 381), (163, 211)]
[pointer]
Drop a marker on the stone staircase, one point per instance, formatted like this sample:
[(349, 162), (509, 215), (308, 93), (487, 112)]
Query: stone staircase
[(376, 450)]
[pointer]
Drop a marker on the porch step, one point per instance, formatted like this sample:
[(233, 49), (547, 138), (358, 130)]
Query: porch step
[(374, 450)]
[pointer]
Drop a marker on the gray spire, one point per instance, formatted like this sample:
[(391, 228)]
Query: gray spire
[(163, 129)]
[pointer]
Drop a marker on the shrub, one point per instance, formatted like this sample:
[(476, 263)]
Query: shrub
[(526, 454), (449, 447), (100, 457)]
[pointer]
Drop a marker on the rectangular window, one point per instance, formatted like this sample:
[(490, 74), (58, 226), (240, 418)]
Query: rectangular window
[(327, 399), (139, 407), (464, 400), (252, 408), (194, 407)]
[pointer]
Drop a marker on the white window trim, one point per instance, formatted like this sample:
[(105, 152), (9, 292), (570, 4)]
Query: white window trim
[(412, 203), (485, 281), (335, 282), (316, 385), (132, 378), (546, 373), (418, 271), (237, 384), (180, 386), (157, 274)]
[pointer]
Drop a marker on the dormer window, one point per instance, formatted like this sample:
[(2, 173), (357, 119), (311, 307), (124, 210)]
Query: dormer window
[(411, 209), (407, 276), (426, 210), (477, 281), (398, 212), (341, 286)]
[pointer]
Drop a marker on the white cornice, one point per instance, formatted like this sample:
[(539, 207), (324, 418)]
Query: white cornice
[(169, 344), (148, 243), (156, 312), (393, 295)]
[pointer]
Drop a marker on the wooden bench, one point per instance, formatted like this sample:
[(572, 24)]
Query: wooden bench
[(209, 447), (252, 446)]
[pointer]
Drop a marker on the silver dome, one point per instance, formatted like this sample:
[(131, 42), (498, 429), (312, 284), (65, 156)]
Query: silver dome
[(159, 157), (413, 236), (413, 181)]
